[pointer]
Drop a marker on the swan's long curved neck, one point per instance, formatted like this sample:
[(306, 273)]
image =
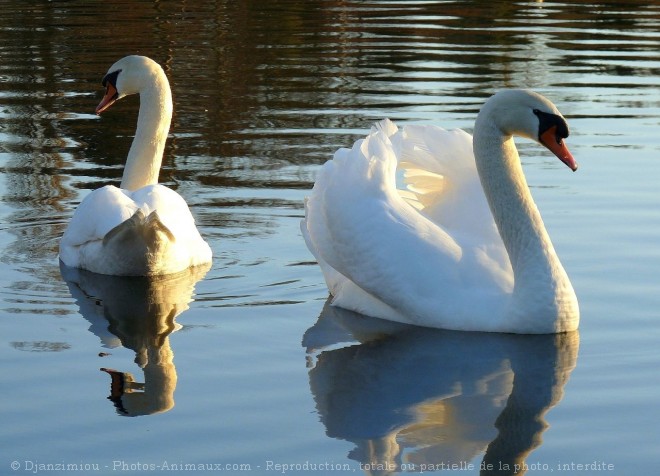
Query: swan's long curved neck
[(518, 220), (146, 153), (540, 279)]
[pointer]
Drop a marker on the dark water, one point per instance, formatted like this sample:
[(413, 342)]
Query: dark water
[(264, 92)]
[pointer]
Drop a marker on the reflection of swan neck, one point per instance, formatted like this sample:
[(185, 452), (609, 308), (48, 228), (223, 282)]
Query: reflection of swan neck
[(537, 387), (156, 394), (146, 153), (160, 379)]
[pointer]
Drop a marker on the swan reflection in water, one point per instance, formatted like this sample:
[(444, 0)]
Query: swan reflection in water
[(411, 398), (137, 313)]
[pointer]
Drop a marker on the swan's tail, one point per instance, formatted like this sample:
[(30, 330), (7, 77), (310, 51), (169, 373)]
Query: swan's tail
[(138, 244), (140, 228)]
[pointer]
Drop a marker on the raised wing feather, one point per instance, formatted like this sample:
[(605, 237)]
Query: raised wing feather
[(389, 218)]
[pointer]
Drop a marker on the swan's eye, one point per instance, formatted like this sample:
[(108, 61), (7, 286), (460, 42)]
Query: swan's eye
[(547, 120), (111, 78)]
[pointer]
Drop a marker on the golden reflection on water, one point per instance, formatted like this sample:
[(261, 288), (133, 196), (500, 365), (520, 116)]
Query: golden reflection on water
[(411, 398), (140, 312)]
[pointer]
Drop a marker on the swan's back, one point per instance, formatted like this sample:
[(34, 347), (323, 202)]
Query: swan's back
[(147, 232), (402, 230)]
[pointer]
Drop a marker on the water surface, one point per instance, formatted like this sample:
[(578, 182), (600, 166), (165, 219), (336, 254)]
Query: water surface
[(244, 364)]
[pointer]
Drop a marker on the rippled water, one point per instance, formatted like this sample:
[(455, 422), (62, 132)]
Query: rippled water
[(245, 365)]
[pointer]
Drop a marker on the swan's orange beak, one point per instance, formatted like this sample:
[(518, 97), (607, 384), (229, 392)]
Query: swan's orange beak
[(117, 383), (108, 100), (555, 144)]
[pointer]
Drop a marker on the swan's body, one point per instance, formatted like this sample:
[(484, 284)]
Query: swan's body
[(141, 228), (460, 244)]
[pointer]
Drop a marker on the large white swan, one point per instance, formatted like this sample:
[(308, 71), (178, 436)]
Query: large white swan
[(436, 228), (141, 228)]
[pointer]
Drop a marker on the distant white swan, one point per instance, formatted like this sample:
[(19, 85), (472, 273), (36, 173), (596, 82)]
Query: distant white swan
[(458, 242), (141, 228)]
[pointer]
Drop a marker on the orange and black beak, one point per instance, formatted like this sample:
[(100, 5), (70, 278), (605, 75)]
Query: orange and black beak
[(552, 132), (556, 145), (111, 93)]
